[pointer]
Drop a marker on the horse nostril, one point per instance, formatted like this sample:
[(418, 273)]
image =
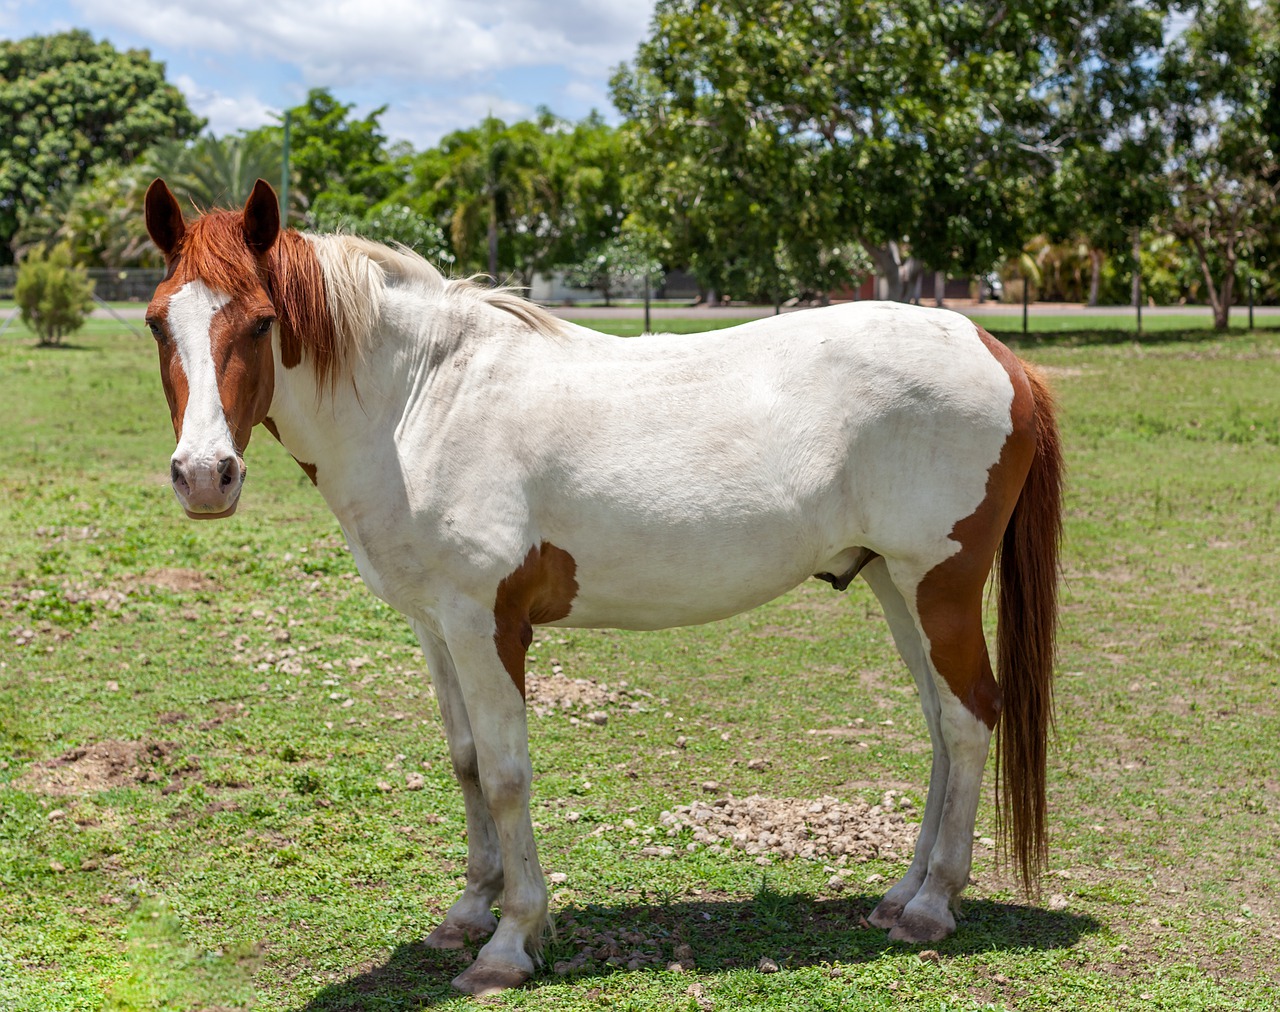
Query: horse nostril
[(175, 472), (226, 471)]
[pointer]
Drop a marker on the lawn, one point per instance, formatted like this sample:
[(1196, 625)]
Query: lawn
[(223, 781)]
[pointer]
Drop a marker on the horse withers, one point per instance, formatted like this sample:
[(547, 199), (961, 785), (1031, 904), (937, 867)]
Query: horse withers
[(494, 468)]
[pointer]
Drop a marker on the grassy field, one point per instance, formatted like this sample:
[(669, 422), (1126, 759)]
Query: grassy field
[(223, 782)]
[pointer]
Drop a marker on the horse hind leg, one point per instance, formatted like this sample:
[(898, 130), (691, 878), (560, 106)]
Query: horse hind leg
[(911, 647), (937, 623)]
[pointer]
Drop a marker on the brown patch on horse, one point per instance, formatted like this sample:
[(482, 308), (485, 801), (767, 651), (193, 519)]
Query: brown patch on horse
[(541, 589), (949, 598), (246, 369), (308, 469)]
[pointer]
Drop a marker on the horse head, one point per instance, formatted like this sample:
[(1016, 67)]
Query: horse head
[(212, 317)]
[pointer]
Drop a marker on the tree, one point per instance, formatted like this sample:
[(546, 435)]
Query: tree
[(611, 265), (69, 104), (1222, 171), (921, 130), (490, 171), (388, 222), (53, 295), (332, 153), (217, 171)]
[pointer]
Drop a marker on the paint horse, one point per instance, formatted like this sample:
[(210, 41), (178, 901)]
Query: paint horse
[(494, 469)]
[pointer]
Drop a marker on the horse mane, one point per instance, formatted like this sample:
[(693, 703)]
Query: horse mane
[(327, 289), (356, 271)]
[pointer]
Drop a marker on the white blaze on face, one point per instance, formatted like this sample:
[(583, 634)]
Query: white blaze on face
[(206, 437)]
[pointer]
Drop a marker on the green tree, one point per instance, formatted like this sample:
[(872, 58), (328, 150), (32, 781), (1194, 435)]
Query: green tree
[(53, 295), (389, 222), (334, 155), (1221, 172), (68, 104), (217, 171), (611, 265), (920, 130), (490, 172)]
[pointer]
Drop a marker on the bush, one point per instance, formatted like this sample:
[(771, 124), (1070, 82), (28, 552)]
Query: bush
[(53, 294)]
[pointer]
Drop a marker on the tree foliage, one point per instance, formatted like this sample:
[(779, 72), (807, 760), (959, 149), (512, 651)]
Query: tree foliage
[(68, 104), (921, 130), (53, 295)]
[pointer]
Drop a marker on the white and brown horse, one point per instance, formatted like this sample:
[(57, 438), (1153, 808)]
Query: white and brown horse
[(494, 469)]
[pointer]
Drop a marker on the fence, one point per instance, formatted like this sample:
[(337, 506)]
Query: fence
[(134, 284)]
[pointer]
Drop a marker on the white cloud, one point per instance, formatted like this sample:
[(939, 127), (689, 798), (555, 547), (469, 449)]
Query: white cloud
[(344, 42), (225, 113)]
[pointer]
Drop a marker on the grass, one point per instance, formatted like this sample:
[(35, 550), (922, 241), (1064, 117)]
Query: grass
[(268, 852)]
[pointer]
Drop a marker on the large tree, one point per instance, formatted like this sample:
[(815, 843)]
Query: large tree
[(1221, 168), (919, 129), (68, 104)]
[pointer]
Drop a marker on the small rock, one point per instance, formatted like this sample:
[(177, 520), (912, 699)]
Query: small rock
[(757, 764), (710, 786), (681, 741), (835, 882), (1057, 902), (414, 781), (930, 956), (767, 965), (557, 878), (675, 968), (57, 866), (56, 814), (598, 717), (384, 786), (684, 953)]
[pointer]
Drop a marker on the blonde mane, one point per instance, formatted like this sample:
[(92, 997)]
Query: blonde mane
[(357, 271)]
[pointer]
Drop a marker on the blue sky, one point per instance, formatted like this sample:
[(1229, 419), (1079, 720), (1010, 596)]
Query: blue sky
[(437, 64)]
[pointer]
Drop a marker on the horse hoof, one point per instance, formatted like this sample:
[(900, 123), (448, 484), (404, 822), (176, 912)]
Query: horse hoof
[(886, 914), (490, 978), (915, 927), (457, 936)]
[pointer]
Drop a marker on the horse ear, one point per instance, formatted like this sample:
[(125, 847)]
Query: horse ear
[(164, 218), (261, 218)]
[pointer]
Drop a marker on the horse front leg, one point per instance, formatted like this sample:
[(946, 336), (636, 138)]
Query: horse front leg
[(496, 709), (471, 918)]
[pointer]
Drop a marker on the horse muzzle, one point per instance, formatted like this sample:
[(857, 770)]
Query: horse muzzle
[(208, 490)]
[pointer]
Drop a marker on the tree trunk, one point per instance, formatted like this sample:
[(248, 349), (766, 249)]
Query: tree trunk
[(493, 238), (899, 272), (939, 287), (1220, 296), (1136, 292), (1095, 275)]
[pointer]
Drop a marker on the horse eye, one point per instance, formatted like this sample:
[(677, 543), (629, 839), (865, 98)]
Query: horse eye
[(157, 331), (264, 326)]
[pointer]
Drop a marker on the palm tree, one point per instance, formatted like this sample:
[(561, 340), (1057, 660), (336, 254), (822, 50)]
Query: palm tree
[(218, 171), (492, 171)]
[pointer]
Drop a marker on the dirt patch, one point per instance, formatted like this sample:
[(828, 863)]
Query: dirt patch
[(825, 828), (178, 581), (547, 694), (99, 767)]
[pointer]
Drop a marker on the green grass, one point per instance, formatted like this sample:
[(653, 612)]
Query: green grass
[(260, 861)]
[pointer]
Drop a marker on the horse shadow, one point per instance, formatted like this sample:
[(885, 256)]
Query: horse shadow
[(793, 930)]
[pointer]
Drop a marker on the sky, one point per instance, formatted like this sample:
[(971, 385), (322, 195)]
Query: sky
[(438, 65)]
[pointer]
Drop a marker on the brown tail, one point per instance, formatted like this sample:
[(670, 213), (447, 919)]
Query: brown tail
[(1026, 632)]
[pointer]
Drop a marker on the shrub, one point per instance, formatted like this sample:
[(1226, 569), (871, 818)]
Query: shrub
[(53, 294)]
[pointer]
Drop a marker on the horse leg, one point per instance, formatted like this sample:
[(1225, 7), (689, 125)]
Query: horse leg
[(966, 698), (499, 730), (471, 917), (906, 637)]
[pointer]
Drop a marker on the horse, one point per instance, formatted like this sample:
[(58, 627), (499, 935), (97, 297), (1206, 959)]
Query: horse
[(494, 468)]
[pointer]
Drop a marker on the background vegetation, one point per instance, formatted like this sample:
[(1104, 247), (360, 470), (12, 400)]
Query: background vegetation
[(1100, 151)]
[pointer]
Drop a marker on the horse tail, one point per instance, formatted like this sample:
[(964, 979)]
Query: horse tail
[(1025, 633)]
